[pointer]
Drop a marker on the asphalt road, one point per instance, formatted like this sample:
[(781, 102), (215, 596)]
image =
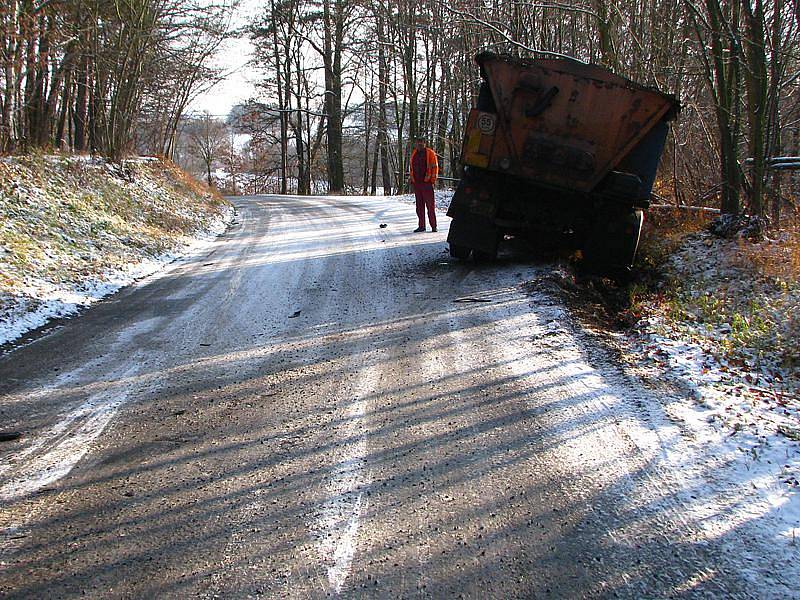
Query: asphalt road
[(319, 406)]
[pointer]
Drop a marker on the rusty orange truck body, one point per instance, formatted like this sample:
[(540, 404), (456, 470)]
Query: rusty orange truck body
[(561, 152)]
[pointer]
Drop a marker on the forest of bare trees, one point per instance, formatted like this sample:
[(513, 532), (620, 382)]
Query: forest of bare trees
[(347, 83), (111, 77)]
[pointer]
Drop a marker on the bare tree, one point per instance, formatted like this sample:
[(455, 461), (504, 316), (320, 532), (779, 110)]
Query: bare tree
[(81, 74), (210, 142)]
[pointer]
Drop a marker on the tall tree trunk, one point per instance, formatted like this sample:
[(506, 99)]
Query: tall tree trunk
[(11, 42), (81, 104), (722, 68), (62, 73), (410, 74), (383, 82), (605, 23), (777, 70), (367, 138), (374, 179), (332, 59), (60, 138), (283, 114), (756, 87)]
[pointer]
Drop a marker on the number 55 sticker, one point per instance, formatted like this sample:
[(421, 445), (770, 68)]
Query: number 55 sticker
[(487, 123)]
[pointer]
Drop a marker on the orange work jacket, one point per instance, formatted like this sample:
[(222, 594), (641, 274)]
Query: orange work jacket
[(432, 172)]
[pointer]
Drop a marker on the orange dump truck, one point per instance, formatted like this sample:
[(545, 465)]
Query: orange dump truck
[(561, 152)]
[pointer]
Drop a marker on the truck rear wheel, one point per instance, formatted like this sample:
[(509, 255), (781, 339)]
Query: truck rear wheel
[(611, 246), (461, 252), (482, 256), (471, 234)]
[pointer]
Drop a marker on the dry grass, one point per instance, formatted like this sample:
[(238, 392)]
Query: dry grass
[(664, 231), (737, 296), (778, 259), (186, 183), (665, 228)]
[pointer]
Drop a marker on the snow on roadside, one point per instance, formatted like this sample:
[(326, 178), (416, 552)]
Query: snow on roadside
[(58, 301), (717, 444), (737, 483), (725, 333), (75, 229), (720, 350)]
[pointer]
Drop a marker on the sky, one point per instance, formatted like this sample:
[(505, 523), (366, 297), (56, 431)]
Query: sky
[(233, 58)]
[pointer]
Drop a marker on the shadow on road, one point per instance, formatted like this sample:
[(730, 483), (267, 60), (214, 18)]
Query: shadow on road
[(218, 464)]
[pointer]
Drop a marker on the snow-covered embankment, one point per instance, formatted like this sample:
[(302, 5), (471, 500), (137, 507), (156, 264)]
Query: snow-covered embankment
[(75, 229)]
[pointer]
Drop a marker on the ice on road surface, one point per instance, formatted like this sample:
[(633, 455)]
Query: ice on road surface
[(308, 407)]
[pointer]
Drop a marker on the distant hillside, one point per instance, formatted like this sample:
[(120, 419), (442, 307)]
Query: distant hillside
[(73, 229)]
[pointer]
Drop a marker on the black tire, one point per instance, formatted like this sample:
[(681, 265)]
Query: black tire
[(612, 246), (460, 252), (481, 256)]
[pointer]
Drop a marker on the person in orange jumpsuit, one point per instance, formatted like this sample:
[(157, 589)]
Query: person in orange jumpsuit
[(424, 169)]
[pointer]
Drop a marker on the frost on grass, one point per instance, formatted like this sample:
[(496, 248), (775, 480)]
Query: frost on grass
[(73, 229), (728, 318), (725, 323)]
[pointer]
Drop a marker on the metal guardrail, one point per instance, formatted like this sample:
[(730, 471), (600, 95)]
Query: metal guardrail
[(780, 163), (707, 209)]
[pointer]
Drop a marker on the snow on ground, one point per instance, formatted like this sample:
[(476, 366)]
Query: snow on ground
[(731, 437), (75, 229), (727, 340), (60, 301), (727, 333), (717, 348)]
